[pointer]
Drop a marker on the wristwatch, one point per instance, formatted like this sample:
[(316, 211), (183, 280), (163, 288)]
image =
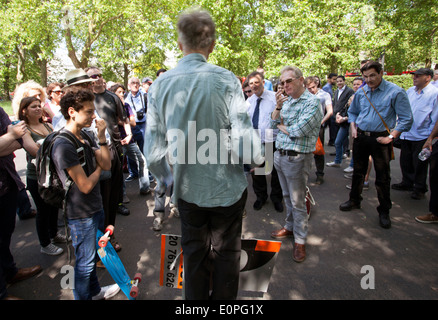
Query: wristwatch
[(391, 137)]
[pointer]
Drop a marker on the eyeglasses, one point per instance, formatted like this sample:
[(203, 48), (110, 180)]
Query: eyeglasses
[(57, 91), (247, 91), (95, 76), (287, 81)]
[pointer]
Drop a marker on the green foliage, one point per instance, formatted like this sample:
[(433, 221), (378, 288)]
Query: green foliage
[(132, 37)]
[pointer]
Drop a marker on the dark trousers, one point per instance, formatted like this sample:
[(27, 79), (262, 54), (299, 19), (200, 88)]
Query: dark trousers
[(47, 215), (320, 159), (211, 243), (333, 130), (363, 147), (260, 184), (8, 269), (414, 171), (433, 181), (112, 189)]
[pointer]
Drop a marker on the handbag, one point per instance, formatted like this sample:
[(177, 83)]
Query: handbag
[(319, 148), (384, 123)]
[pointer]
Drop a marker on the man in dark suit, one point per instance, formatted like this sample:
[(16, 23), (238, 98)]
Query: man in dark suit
[(340, 100)]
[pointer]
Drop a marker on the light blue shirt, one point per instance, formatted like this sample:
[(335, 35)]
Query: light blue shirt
[(424, 106), (435, 83), (197, 116), (137, 103), (267, 105), (268, 85), (391, 102)]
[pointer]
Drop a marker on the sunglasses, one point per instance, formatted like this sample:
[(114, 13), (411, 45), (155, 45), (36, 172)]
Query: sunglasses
[(247, 91), (57, 91), (287, 81), (95, 76)]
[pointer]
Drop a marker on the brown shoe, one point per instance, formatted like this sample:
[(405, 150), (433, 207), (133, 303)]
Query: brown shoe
[(282, 234), (299, 252), (428, 218), (25, 273)]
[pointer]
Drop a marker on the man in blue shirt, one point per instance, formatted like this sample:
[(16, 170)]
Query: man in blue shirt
[(193, 112), (371, 136), (424, 102)]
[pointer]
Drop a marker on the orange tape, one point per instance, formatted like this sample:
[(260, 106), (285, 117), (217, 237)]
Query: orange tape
[(268, 246)]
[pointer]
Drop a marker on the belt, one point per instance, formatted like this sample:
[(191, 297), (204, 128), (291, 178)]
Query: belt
[(289, 153), (372, 133)]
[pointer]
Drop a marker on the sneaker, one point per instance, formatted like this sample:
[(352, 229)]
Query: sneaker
[(130, 178), (107, 292), (333, 164), (174, 210), (348, 170), (52, 250), (60, 238), (348, 176), (428, 218), (366, 186), (157, 224)]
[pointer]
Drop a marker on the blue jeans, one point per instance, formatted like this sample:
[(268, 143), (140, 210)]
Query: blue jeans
[(83, 234), (339, 143), (138, 134), (293, 173), (132, 151)]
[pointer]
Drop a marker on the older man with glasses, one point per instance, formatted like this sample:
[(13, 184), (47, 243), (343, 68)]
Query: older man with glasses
[(137, 100), (298, 118)]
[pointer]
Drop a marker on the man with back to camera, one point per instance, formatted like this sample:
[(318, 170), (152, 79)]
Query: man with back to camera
[(211, 195)]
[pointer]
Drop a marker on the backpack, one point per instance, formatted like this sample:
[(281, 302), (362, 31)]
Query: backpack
[(50, 186)]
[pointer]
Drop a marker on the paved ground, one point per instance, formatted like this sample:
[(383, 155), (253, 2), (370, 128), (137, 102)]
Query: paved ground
[(403, 258)]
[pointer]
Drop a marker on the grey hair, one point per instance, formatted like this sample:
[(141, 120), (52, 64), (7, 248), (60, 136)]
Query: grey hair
[(297, 72), (196, 29)]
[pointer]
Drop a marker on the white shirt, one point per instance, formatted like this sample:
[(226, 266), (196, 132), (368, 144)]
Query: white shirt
[(267, 106)]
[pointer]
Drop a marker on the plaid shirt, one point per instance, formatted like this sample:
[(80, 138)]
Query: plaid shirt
[(302, 118)]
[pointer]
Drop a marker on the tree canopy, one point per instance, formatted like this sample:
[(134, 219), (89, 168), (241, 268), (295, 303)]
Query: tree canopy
[(132, 37)]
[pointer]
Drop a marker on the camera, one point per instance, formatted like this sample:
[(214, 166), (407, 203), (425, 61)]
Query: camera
[(140, 115)]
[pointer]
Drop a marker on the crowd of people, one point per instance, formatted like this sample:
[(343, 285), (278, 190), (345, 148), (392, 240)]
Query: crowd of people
[(120, 129)]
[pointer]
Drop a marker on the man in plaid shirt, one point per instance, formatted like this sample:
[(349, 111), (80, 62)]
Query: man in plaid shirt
[(298, 118)]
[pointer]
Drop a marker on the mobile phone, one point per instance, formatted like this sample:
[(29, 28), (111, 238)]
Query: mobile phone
[(15, 122)]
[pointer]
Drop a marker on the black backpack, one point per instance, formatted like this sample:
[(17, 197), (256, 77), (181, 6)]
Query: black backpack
[(50, 186)]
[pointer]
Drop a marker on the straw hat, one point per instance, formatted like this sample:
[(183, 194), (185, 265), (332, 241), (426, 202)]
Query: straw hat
[(77, 76)]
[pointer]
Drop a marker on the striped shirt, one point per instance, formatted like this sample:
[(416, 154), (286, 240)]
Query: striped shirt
[(302, 118)]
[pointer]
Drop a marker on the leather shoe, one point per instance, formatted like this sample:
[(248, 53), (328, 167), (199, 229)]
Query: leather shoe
[(417, 195), (278, 206), (282, 234), (25, 273), (258, 204), (401, 186), (349, 205), (299, 253), (123, 210), (384, 221)]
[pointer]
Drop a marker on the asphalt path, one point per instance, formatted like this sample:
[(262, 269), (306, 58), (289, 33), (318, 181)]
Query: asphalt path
[(349, 256)]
